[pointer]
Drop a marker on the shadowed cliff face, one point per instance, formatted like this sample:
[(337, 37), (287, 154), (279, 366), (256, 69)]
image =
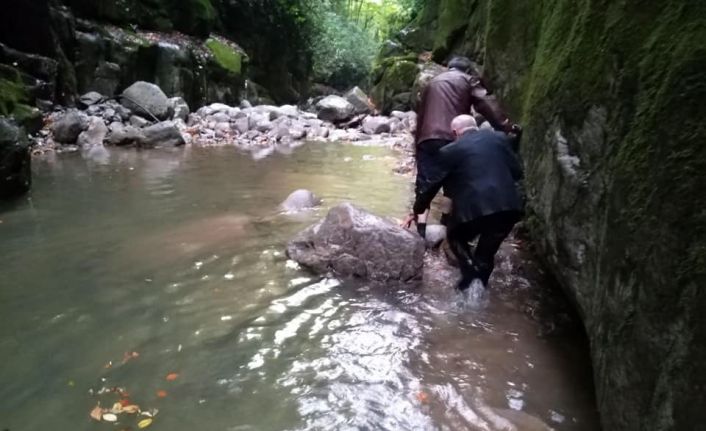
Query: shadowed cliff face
[(610, 95)]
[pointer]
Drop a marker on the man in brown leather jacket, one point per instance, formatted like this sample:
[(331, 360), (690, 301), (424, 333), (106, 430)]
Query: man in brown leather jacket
[(447, 96)]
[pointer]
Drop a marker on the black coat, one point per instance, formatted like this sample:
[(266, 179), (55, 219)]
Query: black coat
[(479, 172)]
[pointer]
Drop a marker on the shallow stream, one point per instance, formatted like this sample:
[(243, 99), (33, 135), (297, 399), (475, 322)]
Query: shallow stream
[(162, 274)]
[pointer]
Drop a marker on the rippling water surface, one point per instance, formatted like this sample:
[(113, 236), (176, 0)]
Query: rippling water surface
[(116, 275)]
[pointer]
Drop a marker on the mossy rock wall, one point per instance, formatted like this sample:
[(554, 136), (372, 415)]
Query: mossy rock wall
[(194, 17), (611, 97)]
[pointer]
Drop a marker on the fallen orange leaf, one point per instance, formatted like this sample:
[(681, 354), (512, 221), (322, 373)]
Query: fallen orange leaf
[(422, 397), (130, 355), (161, 393), (131, 409), (97, 413), (172, 376)]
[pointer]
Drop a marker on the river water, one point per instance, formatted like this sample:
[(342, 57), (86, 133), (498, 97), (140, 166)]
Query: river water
[(159, 278)]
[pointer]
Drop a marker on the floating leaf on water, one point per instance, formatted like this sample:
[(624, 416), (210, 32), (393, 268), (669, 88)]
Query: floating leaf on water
[(150, 413), (71, 383), (144, 423), (131, 409), (110, 417), (117, 408), (130, 355), (97, 412), (172, 376), (161, 393)]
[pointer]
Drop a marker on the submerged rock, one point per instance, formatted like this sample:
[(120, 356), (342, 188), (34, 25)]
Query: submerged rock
[(146, 99), (334, 108), (354, 243), (300, 200), (15, 160), (68, 127)]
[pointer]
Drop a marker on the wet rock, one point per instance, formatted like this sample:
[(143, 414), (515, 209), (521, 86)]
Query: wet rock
[(354, 243), (15, 160), (94, 135), (279, 132), (300, 200), (334, 108), (435, 235), (179, 107), (164, 134), (289, 111), (124, 134), (146, 99), (264, 125), (374, 125), (359, 100), (139, 122), (242, 124), (68, 127), (297, 132), (219, 117), (90, 98)]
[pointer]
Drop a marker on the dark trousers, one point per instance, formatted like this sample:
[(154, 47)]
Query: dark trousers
[(427, 157), (491, 231)]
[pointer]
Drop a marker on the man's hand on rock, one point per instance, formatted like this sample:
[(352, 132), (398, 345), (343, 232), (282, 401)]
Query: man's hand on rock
[(413, 218), (407, 222)]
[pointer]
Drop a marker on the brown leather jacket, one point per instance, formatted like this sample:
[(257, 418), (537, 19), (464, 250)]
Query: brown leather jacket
[(450, 94)]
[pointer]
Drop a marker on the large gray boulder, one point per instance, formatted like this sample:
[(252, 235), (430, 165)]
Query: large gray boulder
[(359, 100), (146, 99), (334, 109), (67, 128), (164, 134), (300, 200), (351, 242), (15, 160)]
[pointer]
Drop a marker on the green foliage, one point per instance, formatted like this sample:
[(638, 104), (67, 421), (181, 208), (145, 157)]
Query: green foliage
[(343, 52), (347, 34), (227, 57)]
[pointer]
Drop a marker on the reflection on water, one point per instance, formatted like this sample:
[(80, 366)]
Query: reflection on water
[(177, 256)]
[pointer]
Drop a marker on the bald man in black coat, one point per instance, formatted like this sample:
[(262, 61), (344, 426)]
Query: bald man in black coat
[(479, 172)]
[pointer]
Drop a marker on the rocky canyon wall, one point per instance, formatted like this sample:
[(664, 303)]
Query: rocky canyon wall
[(611, 95)]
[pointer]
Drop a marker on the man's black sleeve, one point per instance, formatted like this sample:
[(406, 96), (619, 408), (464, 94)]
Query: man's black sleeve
[(513, 162), (427, 191)]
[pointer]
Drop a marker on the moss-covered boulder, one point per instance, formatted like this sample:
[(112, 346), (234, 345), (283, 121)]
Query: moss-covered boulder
[(396, 79), (611, 98), (15, 172), (17, 96)]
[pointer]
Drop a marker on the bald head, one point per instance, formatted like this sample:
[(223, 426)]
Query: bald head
[(462, 124)]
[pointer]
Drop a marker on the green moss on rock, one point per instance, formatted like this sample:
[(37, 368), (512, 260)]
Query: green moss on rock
[(618, 87), (227, 57), (397, 78)]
